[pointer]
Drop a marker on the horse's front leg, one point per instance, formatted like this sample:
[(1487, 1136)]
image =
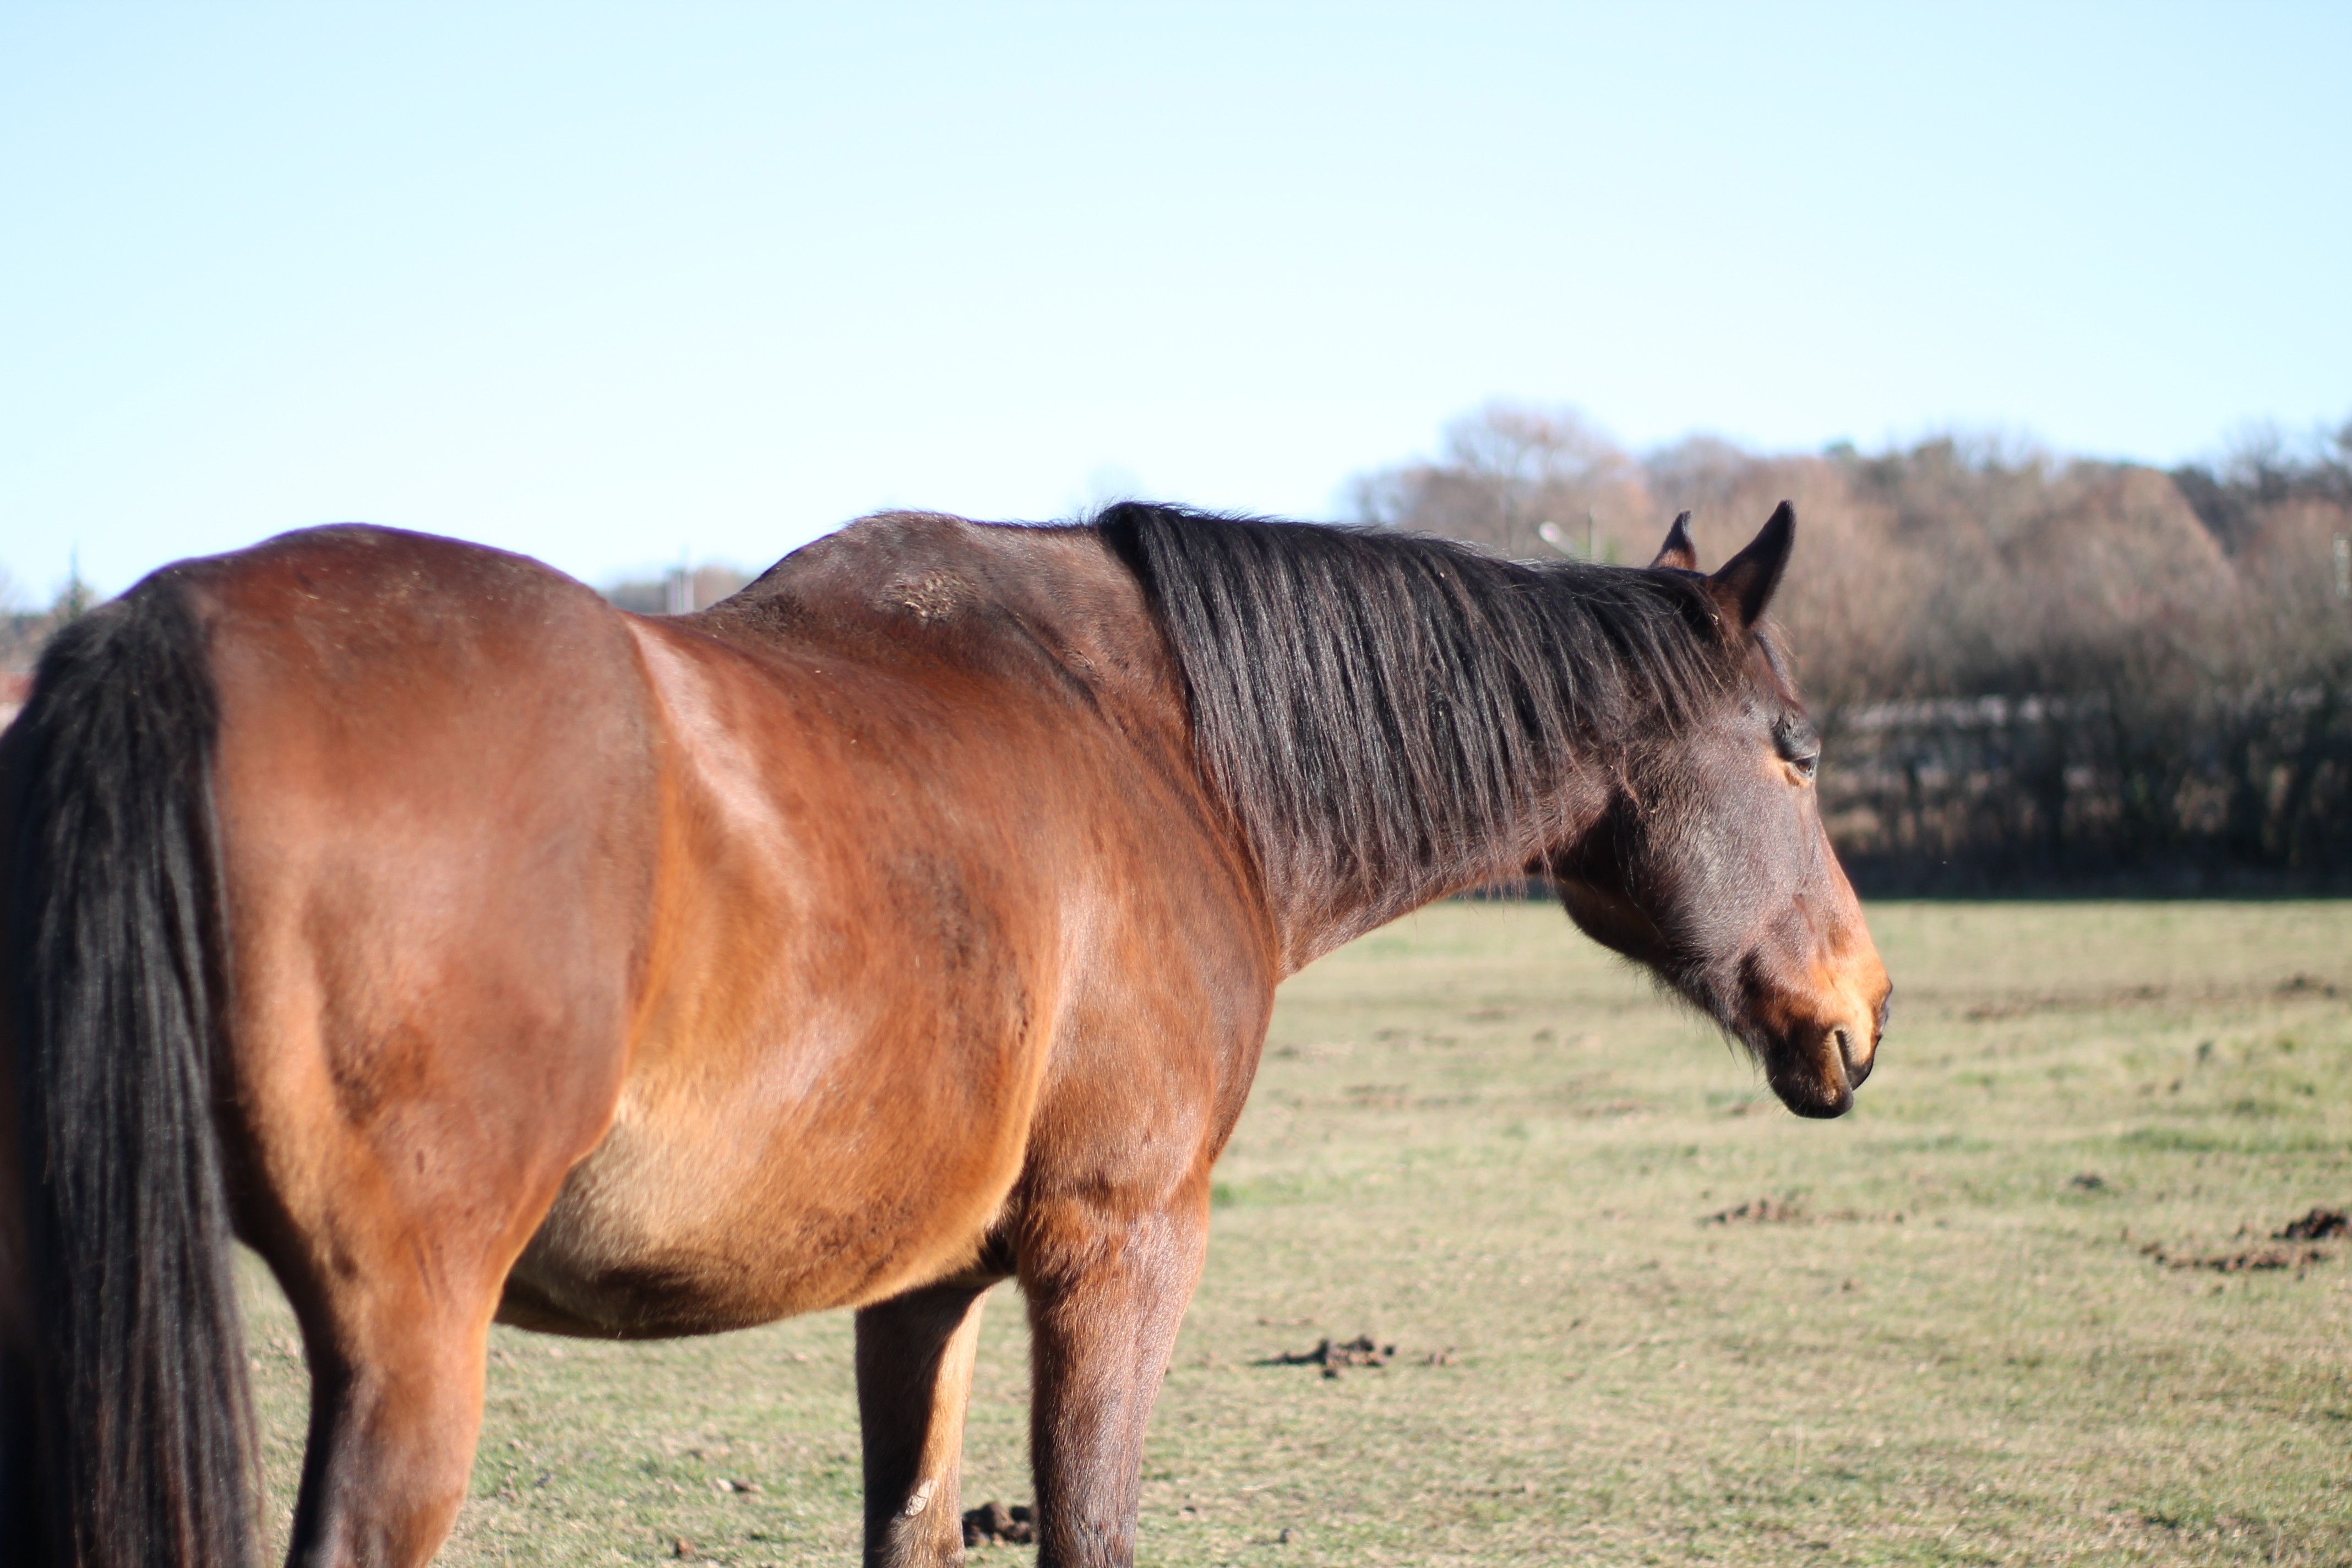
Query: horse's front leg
[(914, 1380), (1107, 1292)]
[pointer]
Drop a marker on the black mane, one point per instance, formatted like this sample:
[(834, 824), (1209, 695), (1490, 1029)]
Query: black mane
[(1390, 714)]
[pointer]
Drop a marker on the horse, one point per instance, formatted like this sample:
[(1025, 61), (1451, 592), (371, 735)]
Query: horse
[(908, 922)]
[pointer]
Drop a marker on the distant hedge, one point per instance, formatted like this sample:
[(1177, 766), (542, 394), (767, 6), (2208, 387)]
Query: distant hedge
[(2029, 670)]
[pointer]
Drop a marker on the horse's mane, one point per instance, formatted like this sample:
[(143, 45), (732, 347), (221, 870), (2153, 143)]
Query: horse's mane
[(1387, 713)]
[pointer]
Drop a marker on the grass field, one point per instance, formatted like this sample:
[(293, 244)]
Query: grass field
[(1479, 1139)]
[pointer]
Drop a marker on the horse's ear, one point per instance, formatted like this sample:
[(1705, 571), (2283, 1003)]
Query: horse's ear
[(1678, 552), (1744, 585)]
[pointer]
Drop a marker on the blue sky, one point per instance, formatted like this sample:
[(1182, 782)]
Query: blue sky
[(613, 283)]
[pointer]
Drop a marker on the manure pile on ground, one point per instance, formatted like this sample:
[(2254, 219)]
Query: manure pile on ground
[(2319, 1224)]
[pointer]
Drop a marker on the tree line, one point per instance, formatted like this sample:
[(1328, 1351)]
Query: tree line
[(2030, 670)]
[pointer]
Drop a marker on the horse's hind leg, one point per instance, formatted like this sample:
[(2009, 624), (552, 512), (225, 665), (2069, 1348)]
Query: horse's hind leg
[(393, 1160), (396, 1407), (395, 1280), (914, 1380)]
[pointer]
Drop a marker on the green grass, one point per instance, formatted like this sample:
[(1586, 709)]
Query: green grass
[(1476, 1133)]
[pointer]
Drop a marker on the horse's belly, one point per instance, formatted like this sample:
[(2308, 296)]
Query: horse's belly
[(660, 1232)]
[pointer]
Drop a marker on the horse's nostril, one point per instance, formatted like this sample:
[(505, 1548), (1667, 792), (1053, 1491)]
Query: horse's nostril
[(1855, 1073)]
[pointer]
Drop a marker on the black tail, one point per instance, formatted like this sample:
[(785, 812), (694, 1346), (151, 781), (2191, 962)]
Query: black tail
[(142, 1424)]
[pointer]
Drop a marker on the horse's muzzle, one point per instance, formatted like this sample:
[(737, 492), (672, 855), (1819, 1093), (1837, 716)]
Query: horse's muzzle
[(1825, 1091), (1824, 1041)]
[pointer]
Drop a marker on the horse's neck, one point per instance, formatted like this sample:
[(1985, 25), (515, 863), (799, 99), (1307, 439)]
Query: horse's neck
[(1317, 919)]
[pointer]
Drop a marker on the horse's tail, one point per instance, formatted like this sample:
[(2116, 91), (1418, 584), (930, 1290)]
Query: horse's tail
[(142, 1424)]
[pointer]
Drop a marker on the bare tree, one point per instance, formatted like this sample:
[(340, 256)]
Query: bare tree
[(2026, 664), (1507, 471)]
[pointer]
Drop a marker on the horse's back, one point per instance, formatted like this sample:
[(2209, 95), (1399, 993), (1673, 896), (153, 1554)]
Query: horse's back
[(939, 879)]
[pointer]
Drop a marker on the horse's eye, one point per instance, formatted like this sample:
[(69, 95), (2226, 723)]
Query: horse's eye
[(1797, 745)]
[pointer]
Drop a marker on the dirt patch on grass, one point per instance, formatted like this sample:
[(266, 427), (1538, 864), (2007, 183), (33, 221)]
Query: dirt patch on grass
[(1761, 1211), (2298, 1253), (2319, 1224), (1793, 1211), (2251, 1260), (1336, 1356), (2303, 985), (2064, 1001), (2124, 997)]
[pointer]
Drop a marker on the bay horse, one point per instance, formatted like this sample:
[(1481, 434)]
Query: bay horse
[(908, 922)]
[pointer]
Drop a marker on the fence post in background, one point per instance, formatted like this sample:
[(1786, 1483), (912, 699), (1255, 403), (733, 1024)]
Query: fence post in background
[(2344, 566), (678, 592)]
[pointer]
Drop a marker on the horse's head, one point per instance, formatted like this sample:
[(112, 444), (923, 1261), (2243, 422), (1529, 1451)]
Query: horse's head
[(1711, 867)]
